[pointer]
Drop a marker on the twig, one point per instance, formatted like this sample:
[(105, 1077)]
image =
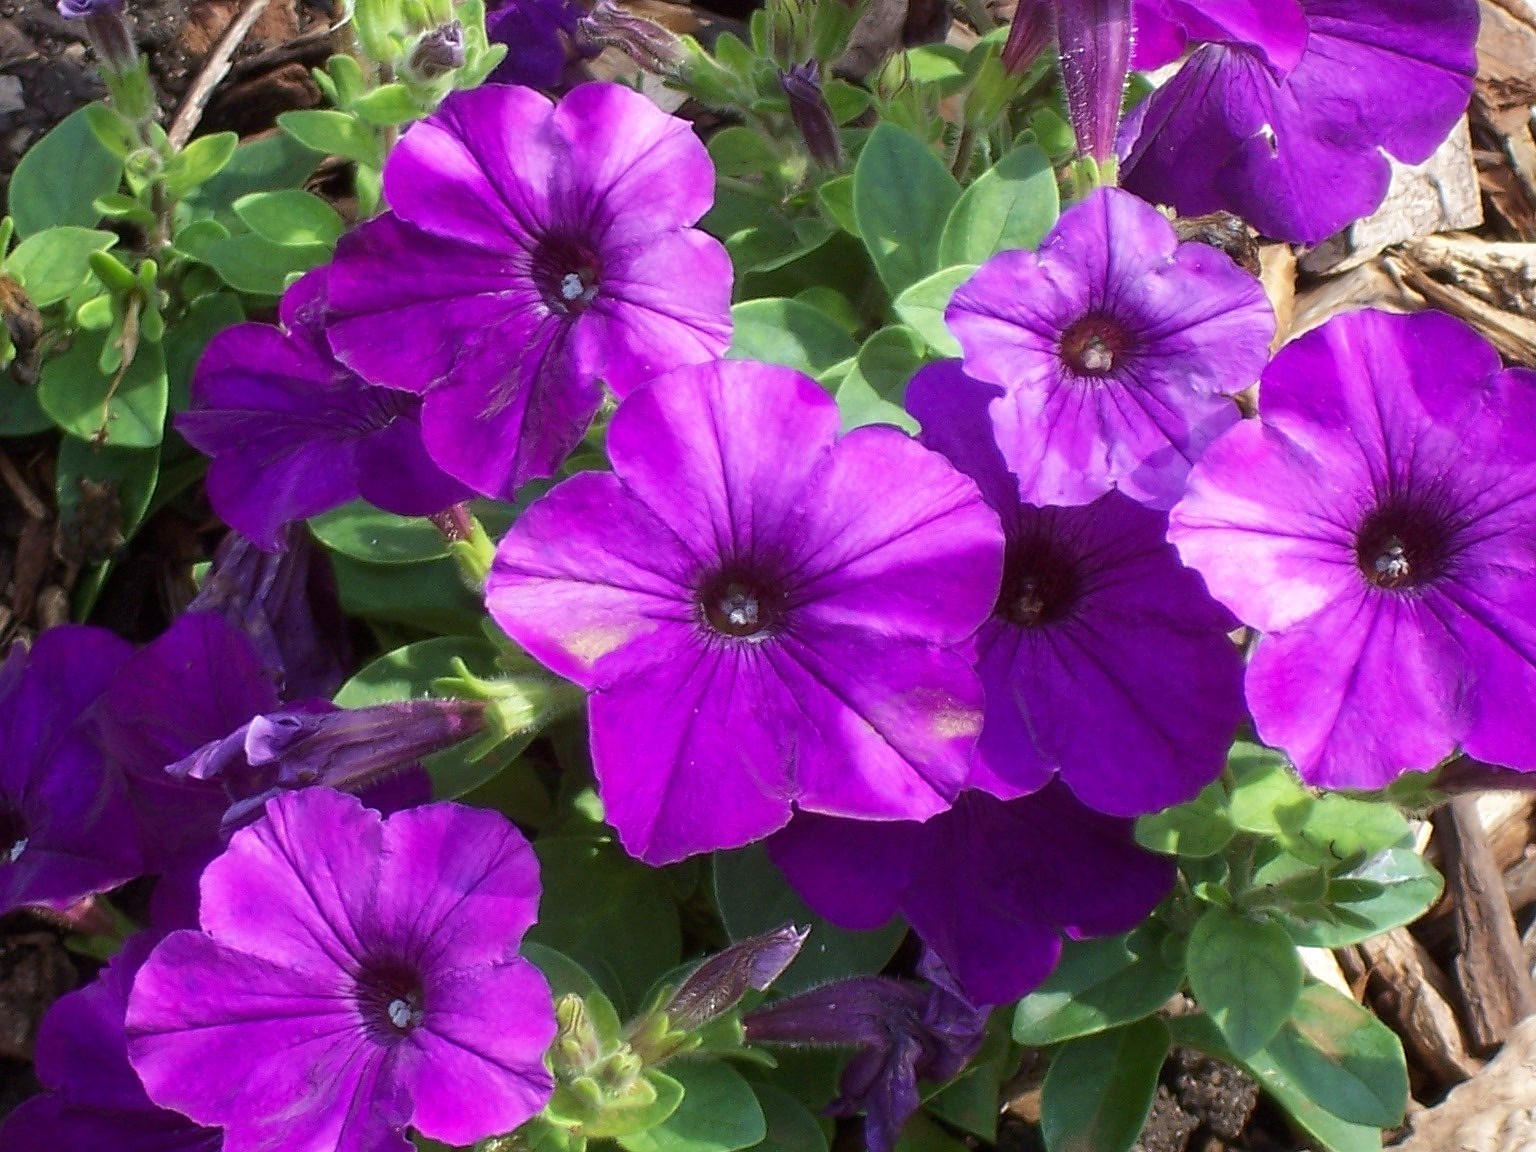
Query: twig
[(30, 504), (214, 69), (1495, 983)]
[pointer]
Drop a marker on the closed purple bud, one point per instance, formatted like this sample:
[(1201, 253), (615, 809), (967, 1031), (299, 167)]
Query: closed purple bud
[(438, 52), (644, 41), (107, 28), (1031, 30), (717, 985), (904, 1031), (287, 604), (1095, 45), (808, 106)]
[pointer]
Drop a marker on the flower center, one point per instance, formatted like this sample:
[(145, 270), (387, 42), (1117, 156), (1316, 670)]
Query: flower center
[(1094, 345), (1401, 547), (567, 275), (13, 834), (1040, 584), (390, 998), (739, 605)]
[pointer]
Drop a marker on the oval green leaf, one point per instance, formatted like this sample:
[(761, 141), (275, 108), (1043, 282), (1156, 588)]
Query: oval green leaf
[(1246, 975), (1099, 1089)]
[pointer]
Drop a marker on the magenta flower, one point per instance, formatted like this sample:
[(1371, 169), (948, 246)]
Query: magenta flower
[(535, 253), (1105, 660), (65, 828), (1117, 348), (294, 433), (1379, 527), (94, 1098), (991, 886), (376, 958), (1286, 127), (767, 615)]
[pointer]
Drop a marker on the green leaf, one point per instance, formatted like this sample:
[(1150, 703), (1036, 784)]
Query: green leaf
[(429, 596), (719, 1113), (290, 216), (369, 534), (1099, 1089), (753, 897), (1340, 827), (1341, 1057), (923, 1134), (874, 390), (388, 105), (788, 332), (791, 1126), (252, 264), (902, 195), (1267, 797), (277, 161), (836, 200), (82, 400), (1246, 974), (1407, 888), (1011, 205), (91, 478), (60, 177), (197, 163), (53, 263), (1202, 827), (922, 307), (20, 413), (334, 133), (1098, 984), (566, 977), (612, 915)]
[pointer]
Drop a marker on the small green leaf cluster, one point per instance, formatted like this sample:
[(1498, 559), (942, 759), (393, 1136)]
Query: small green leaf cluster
[(1265, 867)]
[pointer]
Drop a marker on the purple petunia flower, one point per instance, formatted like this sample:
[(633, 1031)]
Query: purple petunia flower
[(1116, 347), (378, 958), (990, 885), (287, 605), (1285, 126), (65, 828), (535, 33), (1379, 526), (904, 1032), (94, 1098), (535, 252), (764, 618), (1105, 659), (293, 433)]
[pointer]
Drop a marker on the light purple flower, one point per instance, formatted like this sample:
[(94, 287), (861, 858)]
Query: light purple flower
[(1105, 660), (65, 828), (1275, 28), (1117, 348), (904, 1032), (294, 433), (991, 886), (94, 1098), (354, 975), (1294, 144), (535, 253), (1379, 527), (767, 615)]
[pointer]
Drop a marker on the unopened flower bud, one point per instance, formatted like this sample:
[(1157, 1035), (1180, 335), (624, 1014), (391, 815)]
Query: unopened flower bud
[(1031, 30), (1095, 47), (717, 985), (108, 30), (647, 43), (438, 52), (809, 109)]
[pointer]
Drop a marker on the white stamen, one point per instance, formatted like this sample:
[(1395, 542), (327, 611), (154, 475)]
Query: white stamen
[(741, 611), (16, 850), (1097, 357), (1393, 562), (1267, 132), (571, 287), (399, 1014)]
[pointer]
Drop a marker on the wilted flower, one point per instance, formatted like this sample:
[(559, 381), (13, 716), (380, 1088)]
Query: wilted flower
[(1283, 116), (990, 885), (438, 51), (377, 957), (1105, 659), (108, 30), (294, 433), (1379, 526), (535, 252), (1117, 348), (763, 618), (904, 1032), (65, 828), (535, 33), (94, 1098), (646, 42)]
